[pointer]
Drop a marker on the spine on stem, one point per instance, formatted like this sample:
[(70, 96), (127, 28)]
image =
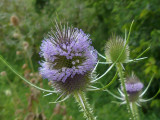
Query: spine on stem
[(82, 101)]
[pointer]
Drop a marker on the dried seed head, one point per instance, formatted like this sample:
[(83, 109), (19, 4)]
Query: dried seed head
[(24, 66), (25, 45), (26, 73), (41, 85), (64, 112), (31, 74), (30, 116), (69, 59), (18, 52), (14, 20), (3, 73), (57, 109), (16, 35), (114, 48), (70, 118), (34, 80)]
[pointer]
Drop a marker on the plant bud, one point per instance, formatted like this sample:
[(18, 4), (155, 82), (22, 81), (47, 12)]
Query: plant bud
[(113, 49)]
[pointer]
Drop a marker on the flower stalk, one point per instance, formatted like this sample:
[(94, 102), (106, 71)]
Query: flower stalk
[(20, 76), (134, 110), (82, 101), (122, 80)]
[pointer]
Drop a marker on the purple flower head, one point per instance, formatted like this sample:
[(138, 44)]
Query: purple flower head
[(133, 87), (133, 84), (69, 58)]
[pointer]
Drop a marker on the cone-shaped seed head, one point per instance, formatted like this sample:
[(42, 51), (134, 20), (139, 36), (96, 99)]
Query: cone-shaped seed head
[(69, 59), (114, 48)]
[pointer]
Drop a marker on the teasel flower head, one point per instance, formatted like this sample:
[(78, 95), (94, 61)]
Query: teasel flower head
[(113, 49), (134, 90), (133, 87), (69, 59)]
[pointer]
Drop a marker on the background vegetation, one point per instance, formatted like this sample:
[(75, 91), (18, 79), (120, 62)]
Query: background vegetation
[(24, 24)]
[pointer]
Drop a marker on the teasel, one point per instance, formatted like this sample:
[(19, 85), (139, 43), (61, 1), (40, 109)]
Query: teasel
[(135, 94), (113, 49), (69, 62), (117, 53)]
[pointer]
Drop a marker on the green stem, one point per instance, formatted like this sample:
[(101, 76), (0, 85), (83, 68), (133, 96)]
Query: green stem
[(121, 75), (135, 111), (15, 72), (81, 99), (110, 83)]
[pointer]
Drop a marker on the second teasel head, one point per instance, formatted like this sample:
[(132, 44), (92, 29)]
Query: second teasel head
[(113, 49)]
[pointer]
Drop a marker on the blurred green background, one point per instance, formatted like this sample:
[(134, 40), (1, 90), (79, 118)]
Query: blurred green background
[(24, 24)]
